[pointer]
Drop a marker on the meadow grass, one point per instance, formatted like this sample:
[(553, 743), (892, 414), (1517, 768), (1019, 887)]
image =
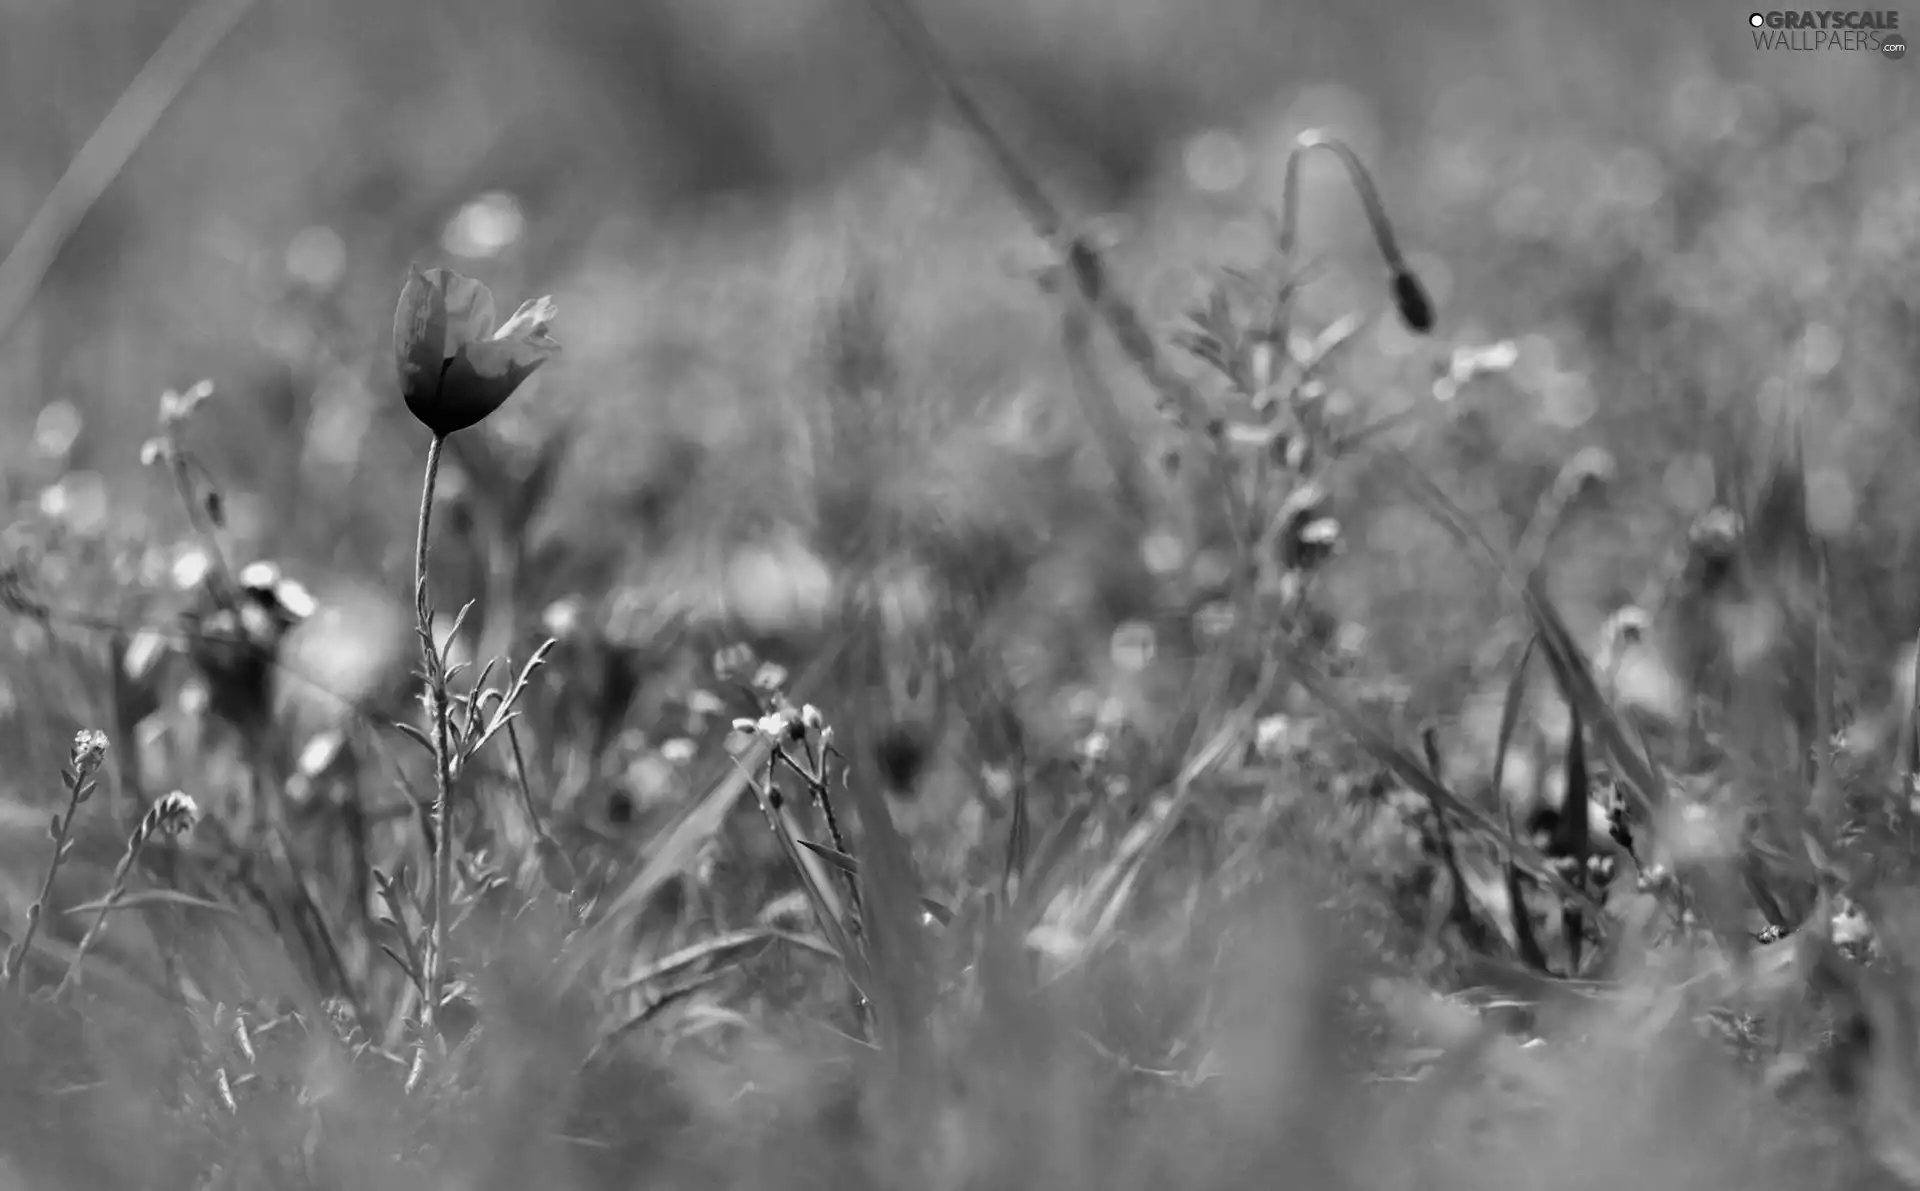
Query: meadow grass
[(1024, 703)]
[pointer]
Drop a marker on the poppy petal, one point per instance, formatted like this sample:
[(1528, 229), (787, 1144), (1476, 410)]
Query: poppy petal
[(419, 336), (470, 311), (531, 321), (468, 395)]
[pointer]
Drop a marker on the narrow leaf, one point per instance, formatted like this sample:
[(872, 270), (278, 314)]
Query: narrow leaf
[(721, 949), (839, 860), (1572, 833), (414, 734), (1510, 717), (1459, 907), (149, 899), (1411, 771), (412, 973), (1528, 944)]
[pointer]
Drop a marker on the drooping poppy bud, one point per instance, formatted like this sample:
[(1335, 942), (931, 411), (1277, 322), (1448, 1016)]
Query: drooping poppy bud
[(1411, 299), (455, 368)]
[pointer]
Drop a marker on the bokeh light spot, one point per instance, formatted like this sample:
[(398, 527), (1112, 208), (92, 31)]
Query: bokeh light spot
[(1831, 504), (317, 257), (1688, 482), (487, 226), (56, 430), (1216, 162), (1820, 348)]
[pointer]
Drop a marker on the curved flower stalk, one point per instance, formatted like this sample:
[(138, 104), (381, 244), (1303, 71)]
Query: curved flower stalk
[(455, 368)]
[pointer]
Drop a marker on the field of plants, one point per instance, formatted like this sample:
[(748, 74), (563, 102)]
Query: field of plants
[(1021, 593)]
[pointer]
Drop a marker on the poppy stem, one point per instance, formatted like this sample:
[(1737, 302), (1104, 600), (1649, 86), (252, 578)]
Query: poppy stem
[(435, 674)]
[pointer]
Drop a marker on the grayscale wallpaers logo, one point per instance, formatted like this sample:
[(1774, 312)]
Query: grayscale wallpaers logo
[(1816, 32)]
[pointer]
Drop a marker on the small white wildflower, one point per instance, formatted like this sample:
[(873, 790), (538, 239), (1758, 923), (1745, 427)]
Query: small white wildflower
[(175, 813), (190, 568), (295, 599), (1476, 360), (89, 746), (176, 408), (677, 751), (771, 676), (778, 725), (1273, 737), (561, 618), (1322, 531)]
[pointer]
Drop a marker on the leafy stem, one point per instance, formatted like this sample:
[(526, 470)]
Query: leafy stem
[(435, 673)]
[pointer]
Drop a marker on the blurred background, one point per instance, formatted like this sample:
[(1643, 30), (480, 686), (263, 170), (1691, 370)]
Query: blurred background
[(1673, 229)]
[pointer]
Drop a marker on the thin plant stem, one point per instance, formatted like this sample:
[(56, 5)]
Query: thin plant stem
[(437, 708), (75, 792), (171, 814), (1180, 402), (526, 787), (202, 526), (1910, 735)]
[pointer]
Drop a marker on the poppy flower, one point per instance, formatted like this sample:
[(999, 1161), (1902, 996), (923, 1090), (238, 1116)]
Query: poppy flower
[(455, 367)]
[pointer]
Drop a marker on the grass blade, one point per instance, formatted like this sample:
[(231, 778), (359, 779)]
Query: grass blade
[(1510, 716), (1459, 906), (1570, 665), (152, 899), (729, 948), (1572, 834), (837, 859), (1413, 772), (1525, 941), (677, 849)]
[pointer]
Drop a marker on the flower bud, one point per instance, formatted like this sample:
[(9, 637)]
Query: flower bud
[(1411, 300)]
